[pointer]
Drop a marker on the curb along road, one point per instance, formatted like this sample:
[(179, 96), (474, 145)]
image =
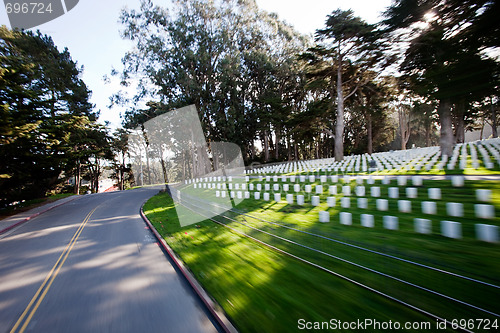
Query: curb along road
[(209, 303)]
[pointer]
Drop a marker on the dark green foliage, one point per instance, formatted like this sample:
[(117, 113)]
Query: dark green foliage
[(44, 103), (444, 60)]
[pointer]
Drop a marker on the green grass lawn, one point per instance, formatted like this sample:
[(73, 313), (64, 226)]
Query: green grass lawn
[(264, 290)]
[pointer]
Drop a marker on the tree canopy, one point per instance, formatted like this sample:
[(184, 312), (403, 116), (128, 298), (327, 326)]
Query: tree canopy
[(44, 105)]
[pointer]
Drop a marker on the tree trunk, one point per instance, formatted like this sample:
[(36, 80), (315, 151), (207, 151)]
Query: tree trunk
[(460, 121), (404, 126), (289, 147), (494, 131), (78, 178), (339, 125), (369, 133), (266, 146), (482, 129), (316, 149), (445, 120), (252, 149), (122, 173), (296, 151), (428, 135), (460, 130), (277, 144)]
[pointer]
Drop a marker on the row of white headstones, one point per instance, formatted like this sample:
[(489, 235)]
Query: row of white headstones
[(417, 158), (449, 228)]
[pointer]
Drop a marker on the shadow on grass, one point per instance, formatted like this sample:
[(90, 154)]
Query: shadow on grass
[(261, 289)]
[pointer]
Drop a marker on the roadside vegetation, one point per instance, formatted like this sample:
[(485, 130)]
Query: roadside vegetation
[(261, 288)]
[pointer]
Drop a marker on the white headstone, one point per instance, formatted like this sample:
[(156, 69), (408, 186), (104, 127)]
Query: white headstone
[(330, 201), (382, 204), (347, 179), (322, 179), (277, 197), (302, 178), (484, 211), (393, 192), (386, 180), (411, 192), (362, 203), (296, 188), (233, 194), (286, 187), (359, 180), (429, 207), (268, 179), (375, 191), (451, 229), (250, 187), (345, 218), (423, 226), (300, 199), (315, 200), (292, 179), (289, 199), (217, 194), (308, 188), (404, 206), (455, 209), (487, 232), (266, 196), (319, 189), (275, 179), (345, 202), (256, 195), (239, 195), (391, 222), (259, 187), (401, 180), (435, 193), (367, 220), (360, 191), (332, 189), (236, 186), (223, 194), (324, 216), (334, 179), (346, 190), (247, 195), (417, 180), (312, 178), (276, 187), (267, 187), (283, 179), (457, 181), (483, 195), (370, 180)]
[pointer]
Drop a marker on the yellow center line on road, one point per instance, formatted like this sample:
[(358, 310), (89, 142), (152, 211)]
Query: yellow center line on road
[(44, 288)]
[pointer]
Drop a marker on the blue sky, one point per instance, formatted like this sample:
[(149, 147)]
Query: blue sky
[(91, 33)]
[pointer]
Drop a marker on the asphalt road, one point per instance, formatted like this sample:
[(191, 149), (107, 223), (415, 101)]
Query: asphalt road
[(91, 265)]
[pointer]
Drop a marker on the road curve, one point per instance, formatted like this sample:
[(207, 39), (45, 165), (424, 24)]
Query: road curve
[(92, 265)]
